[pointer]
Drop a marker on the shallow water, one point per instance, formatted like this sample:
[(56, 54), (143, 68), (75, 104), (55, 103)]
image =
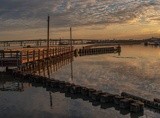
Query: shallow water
[(135, 71)]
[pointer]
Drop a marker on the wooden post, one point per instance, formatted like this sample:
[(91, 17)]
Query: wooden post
[(60, 50), (3, 55), (71, 38), (37, 43), (21, 57), (27, 56), (33, 54), (17, 57), (1, 59), (46, 54), (21, 43), (11, 54), (39, 56), (50, 52), (48, 37), (43, 54), (53, 52)]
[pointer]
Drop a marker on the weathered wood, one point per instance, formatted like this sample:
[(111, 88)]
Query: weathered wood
[(17, 57)]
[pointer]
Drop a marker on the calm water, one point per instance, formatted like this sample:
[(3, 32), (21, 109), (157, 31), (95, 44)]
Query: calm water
[(135, 71)]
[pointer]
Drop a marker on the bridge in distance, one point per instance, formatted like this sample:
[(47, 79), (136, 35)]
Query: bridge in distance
[(41, 42)]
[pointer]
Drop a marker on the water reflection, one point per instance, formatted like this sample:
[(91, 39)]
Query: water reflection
[(45, 68), (105, 109), (135, 71), (9, 86), (52, 92)]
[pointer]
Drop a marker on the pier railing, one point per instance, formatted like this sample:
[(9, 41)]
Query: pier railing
[(26, 55)]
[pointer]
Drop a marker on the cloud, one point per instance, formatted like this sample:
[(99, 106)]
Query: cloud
[(24, 14)]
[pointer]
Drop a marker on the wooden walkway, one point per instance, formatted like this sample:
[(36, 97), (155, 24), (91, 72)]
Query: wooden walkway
[(18, 57)]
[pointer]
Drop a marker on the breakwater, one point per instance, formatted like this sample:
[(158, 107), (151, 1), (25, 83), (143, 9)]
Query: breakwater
[(97, 50), (93, 95), (151, 104)]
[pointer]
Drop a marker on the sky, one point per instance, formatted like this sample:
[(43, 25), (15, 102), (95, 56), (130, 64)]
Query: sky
[(89, 19)]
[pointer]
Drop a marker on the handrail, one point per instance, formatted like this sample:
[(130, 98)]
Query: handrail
[(31, 54)]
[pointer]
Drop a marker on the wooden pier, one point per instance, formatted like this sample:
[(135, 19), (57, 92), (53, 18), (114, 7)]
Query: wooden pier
[(24, 56)]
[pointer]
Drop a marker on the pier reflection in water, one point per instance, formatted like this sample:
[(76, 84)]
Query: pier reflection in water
[(100, 71), (46, 67)]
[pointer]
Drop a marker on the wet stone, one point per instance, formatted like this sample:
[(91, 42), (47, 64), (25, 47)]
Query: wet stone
[(125, 103), (84, 91), (117, 99), (78, 88), (104, 98), (73, 89), (54, 83), (136, 107), (96, 95), (156, 100), (90, 92), (67, 87), (48, 83), (62, 85)]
